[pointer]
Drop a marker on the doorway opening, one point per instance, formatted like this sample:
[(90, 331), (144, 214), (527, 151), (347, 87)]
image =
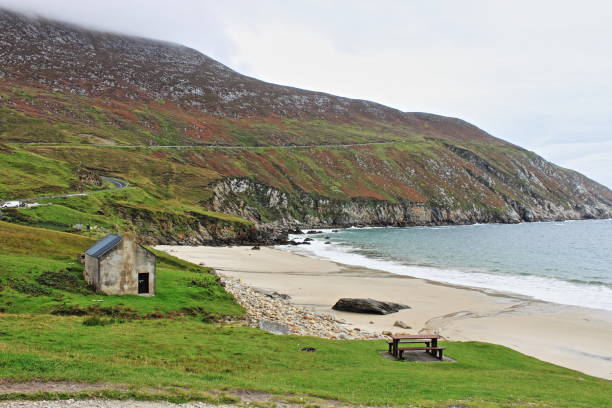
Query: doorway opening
[(143, 283)]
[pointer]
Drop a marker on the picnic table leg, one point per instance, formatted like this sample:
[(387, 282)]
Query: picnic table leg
[(434, 343), (395, 347)]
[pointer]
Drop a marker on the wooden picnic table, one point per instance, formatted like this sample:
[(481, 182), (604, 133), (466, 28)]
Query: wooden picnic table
[(430, 341)]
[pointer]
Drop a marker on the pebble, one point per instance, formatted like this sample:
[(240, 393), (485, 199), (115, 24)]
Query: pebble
[(401, 324), (301, 321)]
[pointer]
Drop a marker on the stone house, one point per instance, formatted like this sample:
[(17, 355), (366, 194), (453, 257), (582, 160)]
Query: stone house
[(117, 265)]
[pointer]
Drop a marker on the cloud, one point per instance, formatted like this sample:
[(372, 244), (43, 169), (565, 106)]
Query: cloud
[(538, 74), (189, 22)]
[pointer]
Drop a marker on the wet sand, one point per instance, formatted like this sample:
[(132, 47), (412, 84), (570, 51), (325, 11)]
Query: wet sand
[(573, 337)]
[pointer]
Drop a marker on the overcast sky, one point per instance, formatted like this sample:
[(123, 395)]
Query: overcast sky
[(537, 73)]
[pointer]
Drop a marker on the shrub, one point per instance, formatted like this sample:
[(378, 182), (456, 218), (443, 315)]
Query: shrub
[(197, 311), (118, 312), (65, 310), (154, 315), (70, 280), (28, 288), (95, 321), (201, 283)]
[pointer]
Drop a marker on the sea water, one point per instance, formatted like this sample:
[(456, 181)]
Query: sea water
[(563, 262)]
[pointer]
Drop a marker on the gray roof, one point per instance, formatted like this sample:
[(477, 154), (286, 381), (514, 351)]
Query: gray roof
[(104, 245)]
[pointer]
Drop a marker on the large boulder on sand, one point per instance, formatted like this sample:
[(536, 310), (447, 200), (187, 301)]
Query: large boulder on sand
[(367, 306)]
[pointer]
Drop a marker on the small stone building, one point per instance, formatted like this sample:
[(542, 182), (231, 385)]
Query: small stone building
[(117, 265)]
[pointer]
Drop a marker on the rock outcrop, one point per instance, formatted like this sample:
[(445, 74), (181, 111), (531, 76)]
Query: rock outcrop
[(368, 306), (162, 228), (288, 211)]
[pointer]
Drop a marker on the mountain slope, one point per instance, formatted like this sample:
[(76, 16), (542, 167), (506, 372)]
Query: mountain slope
[(271, 154), (67, 58)]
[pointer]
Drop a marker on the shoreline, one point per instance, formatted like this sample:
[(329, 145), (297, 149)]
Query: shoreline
[(570, 336), (591, 291)]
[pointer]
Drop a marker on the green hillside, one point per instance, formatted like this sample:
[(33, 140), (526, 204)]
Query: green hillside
[(40, 274), (442, 171), (194, 135)]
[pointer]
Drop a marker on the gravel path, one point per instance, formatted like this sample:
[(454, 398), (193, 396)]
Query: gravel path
[(96, 403)]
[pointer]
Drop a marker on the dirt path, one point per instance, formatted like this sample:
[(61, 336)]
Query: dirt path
[(97, 403), (27, 387), (244, 398)]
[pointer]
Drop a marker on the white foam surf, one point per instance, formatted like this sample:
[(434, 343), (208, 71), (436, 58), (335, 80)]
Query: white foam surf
[(537, 287)]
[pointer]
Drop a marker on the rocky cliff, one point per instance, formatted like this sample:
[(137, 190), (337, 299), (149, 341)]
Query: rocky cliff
[(276, 209)]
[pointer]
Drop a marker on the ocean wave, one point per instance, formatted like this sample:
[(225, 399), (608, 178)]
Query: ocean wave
[(595, 295)]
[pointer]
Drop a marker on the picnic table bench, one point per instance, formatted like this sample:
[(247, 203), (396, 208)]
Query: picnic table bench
[(430, 341)]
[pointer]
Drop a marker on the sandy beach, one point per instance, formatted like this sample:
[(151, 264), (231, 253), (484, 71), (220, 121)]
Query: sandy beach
[(573, 337)]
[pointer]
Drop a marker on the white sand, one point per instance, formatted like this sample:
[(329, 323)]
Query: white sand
[(572, 337)]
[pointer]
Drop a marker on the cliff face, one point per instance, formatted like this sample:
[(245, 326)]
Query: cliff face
[(276, 209), (278, 156), (160, 227)]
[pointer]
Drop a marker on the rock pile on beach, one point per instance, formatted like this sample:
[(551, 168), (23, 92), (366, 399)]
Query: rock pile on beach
[(264, 308)]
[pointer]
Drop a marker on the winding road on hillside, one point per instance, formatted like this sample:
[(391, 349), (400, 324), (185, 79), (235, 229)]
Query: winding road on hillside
[(119, 184)]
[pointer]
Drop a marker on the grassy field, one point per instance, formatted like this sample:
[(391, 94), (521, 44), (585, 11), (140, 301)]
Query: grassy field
[(188, 359), (170, 347), (39, 273), (25, 175)]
